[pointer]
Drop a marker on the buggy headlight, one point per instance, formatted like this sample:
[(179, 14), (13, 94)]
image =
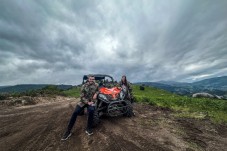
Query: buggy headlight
[(102, 96)]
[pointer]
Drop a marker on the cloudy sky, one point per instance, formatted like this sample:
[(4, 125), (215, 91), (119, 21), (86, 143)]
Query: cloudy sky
[(57, 42)]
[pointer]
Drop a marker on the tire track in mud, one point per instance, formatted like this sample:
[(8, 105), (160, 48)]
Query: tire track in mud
[(126, 135), (37, 127), (44, 135)]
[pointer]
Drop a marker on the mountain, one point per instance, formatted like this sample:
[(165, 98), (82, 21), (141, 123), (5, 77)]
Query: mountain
[(28, 87), (219, 83), (173, 83), (3, 87), (217, 86)]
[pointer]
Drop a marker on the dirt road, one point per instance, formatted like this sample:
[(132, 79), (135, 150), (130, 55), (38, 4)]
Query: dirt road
[(41, 126)]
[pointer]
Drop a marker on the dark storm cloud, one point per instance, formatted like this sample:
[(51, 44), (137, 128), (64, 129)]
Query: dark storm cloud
[(59, 41)]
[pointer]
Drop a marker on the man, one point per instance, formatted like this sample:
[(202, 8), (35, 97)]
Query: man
[(89, 92)]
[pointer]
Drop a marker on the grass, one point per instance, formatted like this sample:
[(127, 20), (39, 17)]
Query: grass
[(199, 108), (74, 92)]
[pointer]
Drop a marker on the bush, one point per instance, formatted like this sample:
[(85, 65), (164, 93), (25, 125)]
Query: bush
[(142, 88), (3, 96)]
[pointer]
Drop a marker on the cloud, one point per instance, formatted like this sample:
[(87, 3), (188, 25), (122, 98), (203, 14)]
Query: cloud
[(60, 41)]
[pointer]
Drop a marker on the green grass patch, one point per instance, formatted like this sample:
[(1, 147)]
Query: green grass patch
[(200, 108), (74, 92)]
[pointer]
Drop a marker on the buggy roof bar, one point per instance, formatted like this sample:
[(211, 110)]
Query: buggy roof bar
[(97, 76)]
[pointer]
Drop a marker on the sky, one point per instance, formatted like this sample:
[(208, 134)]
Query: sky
[(57, 42)]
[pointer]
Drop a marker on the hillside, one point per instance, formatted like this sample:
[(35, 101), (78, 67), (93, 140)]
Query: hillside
[(216, 86), (219, 83), (3, 87), (184, 106), (28, 87)]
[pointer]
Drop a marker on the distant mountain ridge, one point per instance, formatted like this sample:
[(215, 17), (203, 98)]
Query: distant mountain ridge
[(28, 87), (3, 86), (217, 85)]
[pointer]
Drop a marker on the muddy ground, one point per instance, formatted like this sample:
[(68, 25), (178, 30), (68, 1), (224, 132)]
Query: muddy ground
[(41, 126)]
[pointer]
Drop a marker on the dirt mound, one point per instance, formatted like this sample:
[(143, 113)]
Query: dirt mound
[(40, 127)]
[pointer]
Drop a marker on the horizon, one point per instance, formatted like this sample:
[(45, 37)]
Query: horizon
[(60, 41), (117, 81)]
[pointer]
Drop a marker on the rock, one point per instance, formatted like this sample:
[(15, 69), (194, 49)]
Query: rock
[(206, 95), (203, 94), (219, 97)]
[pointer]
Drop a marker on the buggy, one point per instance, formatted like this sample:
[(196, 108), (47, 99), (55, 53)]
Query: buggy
[(111, 101)]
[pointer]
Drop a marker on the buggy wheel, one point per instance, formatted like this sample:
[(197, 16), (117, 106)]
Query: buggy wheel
[(96, 119), (129, 112)]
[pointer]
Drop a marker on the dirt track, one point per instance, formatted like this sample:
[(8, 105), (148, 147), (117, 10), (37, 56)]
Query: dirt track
[(40, 127)]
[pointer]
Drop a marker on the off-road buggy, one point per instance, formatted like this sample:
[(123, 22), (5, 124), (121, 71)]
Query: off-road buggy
[(111, 101)]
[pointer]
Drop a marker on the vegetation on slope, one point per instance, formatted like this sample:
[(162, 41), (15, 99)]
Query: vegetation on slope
[(74, 92), (188, 107), (50, 90)]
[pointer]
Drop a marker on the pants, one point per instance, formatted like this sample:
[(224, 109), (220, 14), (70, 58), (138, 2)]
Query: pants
[(77, 111)]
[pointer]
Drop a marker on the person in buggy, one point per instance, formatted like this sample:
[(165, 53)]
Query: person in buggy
[(124, 82)]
